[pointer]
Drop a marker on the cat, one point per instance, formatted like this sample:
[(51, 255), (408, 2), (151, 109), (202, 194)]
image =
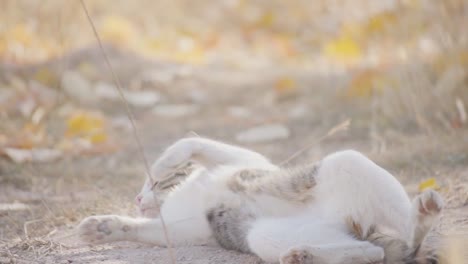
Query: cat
[(342, 209)]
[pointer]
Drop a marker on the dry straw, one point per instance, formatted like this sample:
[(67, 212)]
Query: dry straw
[(132, 121)]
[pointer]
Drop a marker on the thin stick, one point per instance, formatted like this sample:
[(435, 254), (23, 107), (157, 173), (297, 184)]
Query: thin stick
[(192, 134), (132, 121), (118, 87), (343, 126)]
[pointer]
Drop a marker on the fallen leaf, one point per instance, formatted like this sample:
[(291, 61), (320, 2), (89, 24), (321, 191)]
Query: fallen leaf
[(284, 44), (142, 98), (266, 20), (30, 136), (366, 83), (86, 146), (34, 155), (176, 110), (263, 133), (117, 29), (21, 34), (379, 22), (285, 85), (239, 112), (16, 206), (430, 183), (194, 55), (84, 123), (343, 49), (87, 125), (46, 77), (77, 87), (98, 137)]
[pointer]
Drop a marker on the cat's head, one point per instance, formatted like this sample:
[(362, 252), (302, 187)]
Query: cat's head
[(151, 198)]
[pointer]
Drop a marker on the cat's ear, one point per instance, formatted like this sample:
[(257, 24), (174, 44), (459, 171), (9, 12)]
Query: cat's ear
[(172, 181), (176, 177)]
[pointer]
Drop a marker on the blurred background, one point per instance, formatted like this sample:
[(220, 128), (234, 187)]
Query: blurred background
[(388, 78)]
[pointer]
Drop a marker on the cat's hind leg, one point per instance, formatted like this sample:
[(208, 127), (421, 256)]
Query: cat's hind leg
[(303, 240), (340, 253), (282, 239)]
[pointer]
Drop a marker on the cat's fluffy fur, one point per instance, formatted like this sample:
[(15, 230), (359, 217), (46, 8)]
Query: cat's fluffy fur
[(343, 209)]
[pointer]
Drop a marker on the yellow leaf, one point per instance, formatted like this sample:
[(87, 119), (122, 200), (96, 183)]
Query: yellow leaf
[(366, 83), (84, 123), (266, 20), (21, 34), (98, 137), (343, 49), (87, 69), (194, 55), (378, 22), (47, 77), (117, 29), (284, 44), (285, 85), (428, 184), (29, 137)]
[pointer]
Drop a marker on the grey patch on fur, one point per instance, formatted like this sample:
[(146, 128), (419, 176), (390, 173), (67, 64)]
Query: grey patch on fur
[(238, 183), (125, 228), (295, 184), (230, 227), (249, 175), (104, 228), (303, 178)]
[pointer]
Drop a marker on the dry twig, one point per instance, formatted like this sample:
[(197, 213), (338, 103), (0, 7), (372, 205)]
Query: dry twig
[(131, 118), (343, 126)]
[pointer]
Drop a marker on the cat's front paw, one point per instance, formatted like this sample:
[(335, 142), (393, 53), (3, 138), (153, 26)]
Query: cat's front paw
[(102, 229), (300, 255)]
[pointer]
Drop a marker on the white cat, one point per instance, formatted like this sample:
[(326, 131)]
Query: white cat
[(343, 209)]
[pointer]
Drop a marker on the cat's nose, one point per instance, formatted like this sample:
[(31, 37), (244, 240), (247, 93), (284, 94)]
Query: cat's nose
[(138, 199)]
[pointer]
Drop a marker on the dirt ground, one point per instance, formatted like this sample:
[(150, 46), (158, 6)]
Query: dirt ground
[(52, 197)]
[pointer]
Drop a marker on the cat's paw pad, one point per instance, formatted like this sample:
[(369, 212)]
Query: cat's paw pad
[(299, 255), (430, 203), (101, 229)]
